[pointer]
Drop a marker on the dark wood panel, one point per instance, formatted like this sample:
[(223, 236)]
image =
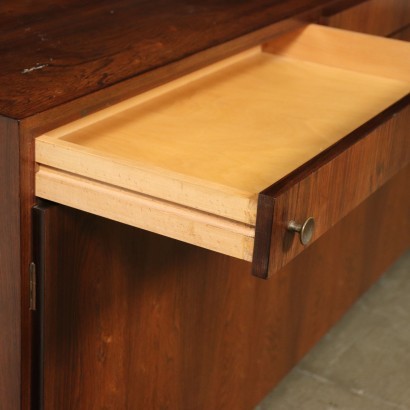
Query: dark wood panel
[(10, 335), (330, 185), (379, 17), (136, 320), (83, 62), (333, 190), (58, 51)]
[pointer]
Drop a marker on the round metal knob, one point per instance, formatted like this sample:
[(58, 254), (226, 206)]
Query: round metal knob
[(305, 230)]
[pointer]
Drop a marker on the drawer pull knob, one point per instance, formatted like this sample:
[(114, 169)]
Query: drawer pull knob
[(305, 230)]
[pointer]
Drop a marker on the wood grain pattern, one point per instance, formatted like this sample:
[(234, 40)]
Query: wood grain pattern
[(331, 191), (135, 320), (59, 51), (10, 321), (379, 17), (60, 92)]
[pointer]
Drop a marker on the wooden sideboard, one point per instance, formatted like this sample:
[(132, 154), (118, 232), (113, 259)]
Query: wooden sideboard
[(98, 313)]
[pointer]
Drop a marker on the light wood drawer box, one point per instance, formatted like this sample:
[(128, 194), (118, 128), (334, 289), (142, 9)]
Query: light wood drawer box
[(308, 125), (378, 17)]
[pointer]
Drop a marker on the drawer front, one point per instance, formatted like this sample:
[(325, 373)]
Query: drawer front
[(348, 174), (378, 17)]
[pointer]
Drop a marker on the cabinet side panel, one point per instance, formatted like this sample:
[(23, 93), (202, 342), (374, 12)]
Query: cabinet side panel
[(134, 320), (9, 266)]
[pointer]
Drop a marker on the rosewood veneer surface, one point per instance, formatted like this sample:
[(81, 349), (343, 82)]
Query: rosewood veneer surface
[(54, 52), (331, 185)]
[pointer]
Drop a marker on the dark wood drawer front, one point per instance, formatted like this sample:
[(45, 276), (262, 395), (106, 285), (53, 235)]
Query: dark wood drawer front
[(328, 191), (379, 17)]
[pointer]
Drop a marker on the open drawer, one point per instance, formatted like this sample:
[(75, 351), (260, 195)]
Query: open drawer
[(225, 158)]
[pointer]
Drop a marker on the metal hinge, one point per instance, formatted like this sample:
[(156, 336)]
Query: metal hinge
[(33, 286)]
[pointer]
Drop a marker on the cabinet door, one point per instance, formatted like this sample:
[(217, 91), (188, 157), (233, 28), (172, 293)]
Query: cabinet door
[(135, 320)]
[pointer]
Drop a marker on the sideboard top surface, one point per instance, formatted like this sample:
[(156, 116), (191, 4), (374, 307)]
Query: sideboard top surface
[(54, 52)]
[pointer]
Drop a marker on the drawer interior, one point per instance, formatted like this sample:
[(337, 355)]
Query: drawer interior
[(188, 159)]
